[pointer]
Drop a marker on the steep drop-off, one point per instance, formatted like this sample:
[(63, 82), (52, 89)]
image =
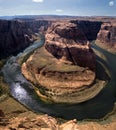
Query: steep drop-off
[(89, 28), (16, 35), (103, 31), (107, 36)]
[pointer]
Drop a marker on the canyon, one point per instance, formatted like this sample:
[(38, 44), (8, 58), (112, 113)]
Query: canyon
[(64, 69), (17, 34), (71, 67)]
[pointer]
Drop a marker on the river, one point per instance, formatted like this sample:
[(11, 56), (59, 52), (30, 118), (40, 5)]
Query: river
[(23, 91)]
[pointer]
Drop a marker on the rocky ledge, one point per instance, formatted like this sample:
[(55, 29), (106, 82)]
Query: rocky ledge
[(20, 118), (64, 69), (44, 122)]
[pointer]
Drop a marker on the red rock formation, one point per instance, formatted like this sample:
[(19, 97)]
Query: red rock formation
[(68, 42), (107, 35), (65, 70), (45, 122)]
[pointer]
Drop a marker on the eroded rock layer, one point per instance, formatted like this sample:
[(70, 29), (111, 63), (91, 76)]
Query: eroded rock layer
[(67, 41), (63, 70), (59, 82), (107, 35)]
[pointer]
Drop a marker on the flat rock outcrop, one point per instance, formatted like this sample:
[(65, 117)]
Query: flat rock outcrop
[(36, 122), (63, 70), (45, 122)]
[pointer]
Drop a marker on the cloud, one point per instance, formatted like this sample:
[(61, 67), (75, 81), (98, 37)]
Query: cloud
[(38, 1), (59, 10), (111, 3)]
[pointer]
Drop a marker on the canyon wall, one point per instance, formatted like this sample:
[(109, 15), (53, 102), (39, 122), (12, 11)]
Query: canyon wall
[(17, 35), (107, 35), (36, 26), (103, 31), (89, 28)]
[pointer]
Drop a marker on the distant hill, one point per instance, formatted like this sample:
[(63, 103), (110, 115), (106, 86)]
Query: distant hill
[(53, 17), (37, 17)]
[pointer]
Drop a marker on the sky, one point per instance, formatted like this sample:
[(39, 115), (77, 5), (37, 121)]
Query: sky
[(58, 7)]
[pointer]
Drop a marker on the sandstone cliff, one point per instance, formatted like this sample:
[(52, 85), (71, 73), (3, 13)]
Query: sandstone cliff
[(101, 30), (107, 35), (17, 35), (68, 42)]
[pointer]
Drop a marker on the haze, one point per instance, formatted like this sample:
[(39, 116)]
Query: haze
[(58, 7)]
